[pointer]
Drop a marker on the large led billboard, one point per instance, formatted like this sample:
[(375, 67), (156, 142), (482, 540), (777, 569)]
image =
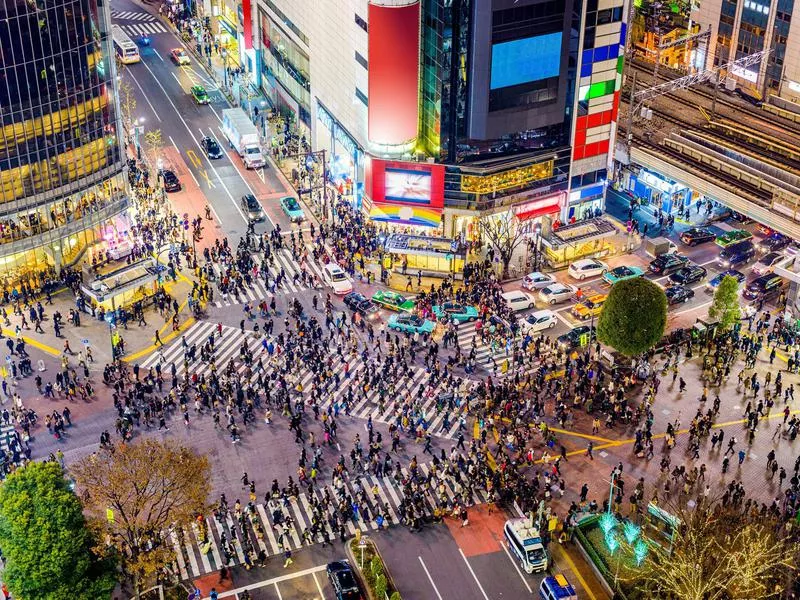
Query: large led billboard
[(525, 60), (405, 192), (393, 88)]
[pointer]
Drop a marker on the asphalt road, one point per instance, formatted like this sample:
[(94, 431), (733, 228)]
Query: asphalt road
[(163, 100)]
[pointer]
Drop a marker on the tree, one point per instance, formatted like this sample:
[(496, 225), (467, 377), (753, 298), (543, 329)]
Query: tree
[(127, 104), (503, 233), (136, 493), (154, 141), (46, 542), (725, 307), (634, 316), (719, 553)]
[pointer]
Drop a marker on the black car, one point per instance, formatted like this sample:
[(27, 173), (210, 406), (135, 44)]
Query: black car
[(171, 181), (367, 309), (774, 243), (252, 208), (572, 339), (697, 235), (666, 263), (353, 299), (764, 288), (688, 274), (678, 293), (343, 581), (211, 147), (736, 255)]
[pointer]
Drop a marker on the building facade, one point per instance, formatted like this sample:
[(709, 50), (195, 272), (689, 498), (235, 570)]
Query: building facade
[(436, 113), (744, 27), (61, 167)]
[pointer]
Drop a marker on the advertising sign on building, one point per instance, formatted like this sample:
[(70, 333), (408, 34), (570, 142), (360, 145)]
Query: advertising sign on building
[(405, 192)]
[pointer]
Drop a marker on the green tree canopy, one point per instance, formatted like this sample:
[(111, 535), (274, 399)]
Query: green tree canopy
[(45, 539), (633, 317), (725, 307)]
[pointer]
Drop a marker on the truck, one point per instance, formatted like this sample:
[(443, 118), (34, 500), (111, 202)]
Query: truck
[(526, 544), (242, 135), (657, 246)]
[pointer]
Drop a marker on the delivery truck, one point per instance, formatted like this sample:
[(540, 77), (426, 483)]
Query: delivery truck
[(242, 135)]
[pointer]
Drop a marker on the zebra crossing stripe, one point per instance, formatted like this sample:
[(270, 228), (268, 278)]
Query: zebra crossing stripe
[(128, 15), (179, 555)]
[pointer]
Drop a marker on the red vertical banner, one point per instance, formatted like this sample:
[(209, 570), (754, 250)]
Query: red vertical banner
[(394, 43), (247, 24)]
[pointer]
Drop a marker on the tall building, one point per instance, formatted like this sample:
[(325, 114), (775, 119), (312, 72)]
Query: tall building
[(437, 113), (61, 167), (744, 27)]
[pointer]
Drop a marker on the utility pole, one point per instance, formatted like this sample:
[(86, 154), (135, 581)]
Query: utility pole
[(714, 99), (631, 108)]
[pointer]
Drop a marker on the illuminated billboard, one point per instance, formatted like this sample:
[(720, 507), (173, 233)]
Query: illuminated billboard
[(405, 192), (393, 88), (526, 60)]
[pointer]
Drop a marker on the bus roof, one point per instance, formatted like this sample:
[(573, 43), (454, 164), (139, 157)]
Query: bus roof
[(527, 533)]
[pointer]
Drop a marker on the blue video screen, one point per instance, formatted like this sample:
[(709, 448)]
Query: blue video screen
[(526, 60)]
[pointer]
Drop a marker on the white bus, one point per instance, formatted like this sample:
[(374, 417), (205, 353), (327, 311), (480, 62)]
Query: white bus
[(126, 49), (526, 544)]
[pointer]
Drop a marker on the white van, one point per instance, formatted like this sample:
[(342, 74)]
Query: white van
[(518, 300), (526, 544)]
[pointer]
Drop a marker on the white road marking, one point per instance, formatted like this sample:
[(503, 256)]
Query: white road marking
[(699, 306), (277, 591), (145, 95), (319, 587), (516, 567), (224, 186), (433, 585), (158, 55), (469, 566)]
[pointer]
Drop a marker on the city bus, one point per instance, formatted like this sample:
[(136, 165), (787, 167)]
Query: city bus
[(126, 49)]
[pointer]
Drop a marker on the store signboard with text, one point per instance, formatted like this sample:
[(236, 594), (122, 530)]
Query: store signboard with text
[(405, 192)]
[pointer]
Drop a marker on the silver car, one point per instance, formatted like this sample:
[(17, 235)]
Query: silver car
[(536, 281), (557, 292)]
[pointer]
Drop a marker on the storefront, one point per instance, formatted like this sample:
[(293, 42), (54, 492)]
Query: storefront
[(415, 253), (583, 239), (345, 158), (659, 191), (226, 33)]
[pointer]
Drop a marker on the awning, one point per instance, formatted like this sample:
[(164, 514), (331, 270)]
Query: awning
[(406, 215), (401, 243), (537, 208)]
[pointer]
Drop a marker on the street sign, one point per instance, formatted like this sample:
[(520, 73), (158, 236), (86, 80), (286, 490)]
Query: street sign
[(85, 342), (110, 515), (8, 358), (584, 339)]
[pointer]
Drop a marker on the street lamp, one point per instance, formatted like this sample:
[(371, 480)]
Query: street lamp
[(224, 53), (138, 128)]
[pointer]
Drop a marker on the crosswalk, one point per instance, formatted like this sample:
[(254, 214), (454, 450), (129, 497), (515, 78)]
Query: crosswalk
[(144, 28), (433, 409), (258, 290), (7, 432), (198, 553), (131, 15)]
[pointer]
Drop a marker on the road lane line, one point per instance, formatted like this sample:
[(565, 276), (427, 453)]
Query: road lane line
[(224, 186), (433, 585), (516, 567), (319, 587), (277, 591), (157, 54), (691, 308), (153, 108), (469, 566)]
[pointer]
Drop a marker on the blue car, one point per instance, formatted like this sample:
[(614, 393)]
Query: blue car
[(411, 324), (714, 283), (144, 39), (292, 208), (453, 311), (621, 274)]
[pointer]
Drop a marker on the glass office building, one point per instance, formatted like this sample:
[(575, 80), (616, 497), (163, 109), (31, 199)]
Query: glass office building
[(62, 189)]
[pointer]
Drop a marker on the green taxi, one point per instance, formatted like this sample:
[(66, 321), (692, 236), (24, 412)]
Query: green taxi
[(199, 94), (393, 301)]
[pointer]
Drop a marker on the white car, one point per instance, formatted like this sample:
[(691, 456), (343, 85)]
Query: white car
[(587, 267), (337, 279), (766, 264), (519, 300), (536, 281), (539, 321), (557, 292)]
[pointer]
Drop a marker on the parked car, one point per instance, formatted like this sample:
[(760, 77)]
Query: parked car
[(733, 237), (622, 273), (590, 307), (572, 339), (764, 288), (557, 292), (587, 267), (697, 235), (537, 281), (291, 207), (518, 300), (688, 274), (343, 581), (737, 255), (211, 147), (678, 293), (199, 94), (336, 279), (171, 181), (393, 301), (179, 56), (411, 324), (713, 284), (766, 264), (666, 263), (252, 208), (539, 321), (453, 311), (774, 242)]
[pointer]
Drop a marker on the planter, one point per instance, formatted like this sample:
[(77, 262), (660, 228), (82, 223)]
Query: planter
[(373, 573)]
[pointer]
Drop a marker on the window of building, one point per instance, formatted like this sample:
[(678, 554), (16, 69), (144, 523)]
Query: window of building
[(362, 23), (286, 21), (361, 60), (362, 96)]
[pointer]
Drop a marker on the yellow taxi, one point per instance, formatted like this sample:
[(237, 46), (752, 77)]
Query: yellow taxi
[(590, 307)]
